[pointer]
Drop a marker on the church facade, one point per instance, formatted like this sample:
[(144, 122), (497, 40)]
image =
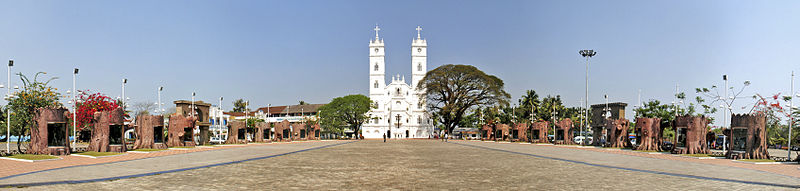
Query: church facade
[(399, 112)]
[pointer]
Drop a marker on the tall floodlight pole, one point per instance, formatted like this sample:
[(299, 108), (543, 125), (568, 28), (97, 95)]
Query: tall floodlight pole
[(587, 54), (74, 107), (791, 119), (8, 112)]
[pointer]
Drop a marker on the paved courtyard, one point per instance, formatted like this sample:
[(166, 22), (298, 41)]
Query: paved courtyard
[(405, 165)]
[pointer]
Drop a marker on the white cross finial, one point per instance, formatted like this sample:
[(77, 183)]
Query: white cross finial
[(418, 30), (376, 31)]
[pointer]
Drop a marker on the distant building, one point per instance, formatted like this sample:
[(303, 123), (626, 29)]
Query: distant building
[(617, 110), (399, 110)]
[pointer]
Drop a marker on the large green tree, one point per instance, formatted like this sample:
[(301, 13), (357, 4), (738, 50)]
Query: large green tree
[(348, 111), (33, 94), (451, 90)]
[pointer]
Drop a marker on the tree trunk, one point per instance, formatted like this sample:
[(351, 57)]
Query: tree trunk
[(177, 123), (101, 130), (695, 141), (566, 126), (43, 119), (755, 140), (649, 130), (541, 126), (233, 133), (618, 131), (145, 131)]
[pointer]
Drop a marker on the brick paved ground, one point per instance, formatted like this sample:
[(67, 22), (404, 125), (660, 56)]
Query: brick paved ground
[(10, 167), (459, 165)]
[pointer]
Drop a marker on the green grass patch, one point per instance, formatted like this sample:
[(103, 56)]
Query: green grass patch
[(701, 155), (147, 150), (32, 157), (98, 154), (757, 160)]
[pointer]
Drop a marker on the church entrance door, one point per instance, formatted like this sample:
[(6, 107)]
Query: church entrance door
[(388, 134), (406, 133)]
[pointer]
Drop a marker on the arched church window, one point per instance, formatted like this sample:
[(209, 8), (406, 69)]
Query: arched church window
[(398, 91), (376, 66), (376, 50), (419, 120), (419, 67), (376, 84)]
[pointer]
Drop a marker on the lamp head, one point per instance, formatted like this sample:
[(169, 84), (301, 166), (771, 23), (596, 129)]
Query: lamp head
[(124, 80), (10, 62), (75, 71)]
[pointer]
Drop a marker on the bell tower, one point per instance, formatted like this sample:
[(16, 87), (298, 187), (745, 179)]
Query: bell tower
[(377, 65), (419, 58)]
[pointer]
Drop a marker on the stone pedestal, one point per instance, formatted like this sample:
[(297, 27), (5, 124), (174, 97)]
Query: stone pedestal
[(50, 133)]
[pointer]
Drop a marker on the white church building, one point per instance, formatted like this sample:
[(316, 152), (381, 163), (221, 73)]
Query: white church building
[(400, 112)]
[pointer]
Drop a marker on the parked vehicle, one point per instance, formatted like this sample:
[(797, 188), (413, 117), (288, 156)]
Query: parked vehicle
[(796, 148), (579, 140), (667, 146)]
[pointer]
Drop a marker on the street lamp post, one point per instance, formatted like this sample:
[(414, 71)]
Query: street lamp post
[(587, 54), (219, 120), (74, 107), (191, 110), (124, 81), (8, 112), (160, 88)]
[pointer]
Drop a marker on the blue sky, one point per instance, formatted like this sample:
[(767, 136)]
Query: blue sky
[(279, 52)]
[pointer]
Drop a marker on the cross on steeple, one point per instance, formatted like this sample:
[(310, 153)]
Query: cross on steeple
[(418, 30), (376, 31)]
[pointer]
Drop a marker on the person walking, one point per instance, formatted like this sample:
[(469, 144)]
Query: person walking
[(384, 137), (446, 136)]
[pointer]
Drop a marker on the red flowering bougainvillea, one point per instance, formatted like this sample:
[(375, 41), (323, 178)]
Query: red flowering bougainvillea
[(89, 103)]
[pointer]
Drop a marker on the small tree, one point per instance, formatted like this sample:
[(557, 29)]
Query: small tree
[(88, 104), (349, 111), (34, 94)]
